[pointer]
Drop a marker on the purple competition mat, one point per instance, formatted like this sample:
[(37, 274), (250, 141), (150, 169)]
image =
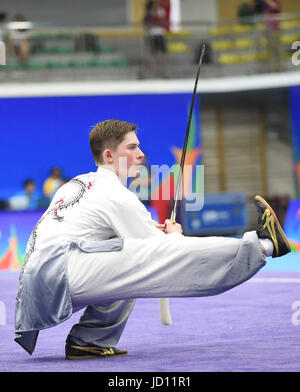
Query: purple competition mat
[(253, 327)]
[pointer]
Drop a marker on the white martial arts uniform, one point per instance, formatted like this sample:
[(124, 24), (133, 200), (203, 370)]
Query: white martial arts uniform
[(150, 263)]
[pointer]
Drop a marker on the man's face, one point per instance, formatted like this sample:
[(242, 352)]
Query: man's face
[(30, 188), (128, 157), (56, 173)]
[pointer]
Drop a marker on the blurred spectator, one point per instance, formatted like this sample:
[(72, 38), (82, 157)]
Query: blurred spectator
[(3, 38), (156, 22), (53, 182), (271, 8), (245, 13), (19, 41), (258, 7), (26, 199), (4, 204), (87, 42), (2, 24)]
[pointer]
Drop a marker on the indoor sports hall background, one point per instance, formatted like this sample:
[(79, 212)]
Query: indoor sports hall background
[(245, 132)]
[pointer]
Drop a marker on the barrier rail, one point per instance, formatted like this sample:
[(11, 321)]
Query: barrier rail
[(238, 47)]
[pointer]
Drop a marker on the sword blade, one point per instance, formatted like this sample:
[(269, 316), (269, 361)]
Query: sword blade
[(165, 315), (187, 133)]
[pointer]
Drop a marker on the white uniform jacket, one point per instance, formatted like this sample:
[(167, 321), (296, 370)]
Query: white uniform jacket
[(94, 212)]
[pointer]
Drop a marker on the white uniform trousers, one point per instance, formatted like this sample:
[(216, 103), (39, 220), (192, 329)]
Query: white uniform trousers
[(156, 267)]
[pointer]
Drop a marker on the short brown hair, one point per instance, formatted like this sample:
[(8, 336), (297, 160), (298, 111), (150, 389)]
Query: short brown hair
[(108, 134)]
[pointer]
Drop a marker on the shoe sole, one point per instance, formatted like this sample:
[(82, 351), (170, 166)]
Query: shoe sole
[(72, 357), (259, 198)]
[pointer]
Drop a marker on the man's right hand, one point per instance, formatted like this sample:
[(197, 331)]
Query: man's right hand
[(172, 227)]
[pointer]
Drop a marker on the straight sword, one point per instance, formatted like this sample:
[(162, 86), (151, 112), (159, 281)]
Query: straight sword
[(165, 315)]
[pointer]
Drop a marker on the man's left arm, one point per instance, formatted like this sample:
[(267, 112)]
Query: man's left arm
[(130, 218)]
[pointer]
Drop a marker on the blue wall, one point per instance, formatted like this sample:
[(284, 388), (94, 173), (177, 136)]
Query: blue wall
[(37, 133)]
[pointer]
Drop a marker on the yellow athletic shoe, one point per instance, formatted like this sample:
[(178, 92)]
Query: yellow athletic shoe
[(269, 227), (74, 351)]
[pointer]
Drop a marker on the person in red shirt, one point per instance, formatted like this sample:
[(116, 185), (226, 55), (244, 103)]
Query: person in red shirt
[(156, 21)]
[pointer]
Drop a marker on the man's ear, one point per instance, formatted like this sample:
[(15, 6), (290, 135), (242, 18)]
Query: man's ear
[(107, 156)]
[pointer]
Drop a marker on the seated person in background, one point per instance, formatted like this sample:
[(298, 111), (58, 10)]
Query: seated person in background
[(27, 199), (2, 28), (53, 182), (245, 13), (3, 38), (19, 41)]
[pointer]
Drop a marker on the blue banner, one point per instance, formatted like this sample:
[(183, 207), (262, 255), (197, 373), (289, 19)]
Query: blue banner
[(38, 133)]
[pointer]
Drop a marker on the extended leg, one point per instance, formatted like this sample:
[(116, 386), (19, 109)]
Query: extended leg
[(175, 266)]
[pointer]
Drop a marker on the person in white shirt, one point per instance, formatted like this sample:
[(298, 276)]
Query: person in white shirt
[(20, 40), (98, 247)]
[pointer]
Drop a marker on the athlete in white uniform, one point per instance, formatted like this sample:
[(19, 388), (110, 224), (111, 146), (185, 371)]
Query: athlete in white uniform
[(109, 251)]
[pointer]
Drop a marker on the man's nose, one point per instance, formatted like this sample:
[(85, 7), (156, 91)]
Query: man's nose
[(141, 154)]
